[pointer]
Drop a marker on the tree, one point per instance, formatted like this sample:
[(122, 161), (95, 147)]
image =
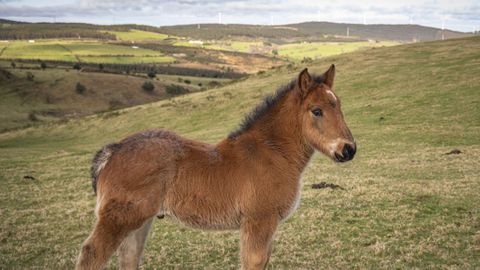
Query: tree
[(77, 66), (43, 65), (100, 66), (30, 76), (175, 90), (152, 74), (80, 88), (148, 86), (275, 52), (13, 64)]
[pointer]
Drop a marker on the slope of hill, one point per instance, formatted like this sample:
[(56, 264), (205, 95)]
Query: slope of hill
[(306, 30), (408, 32), (52, 94), (309, 30), (406, 204)]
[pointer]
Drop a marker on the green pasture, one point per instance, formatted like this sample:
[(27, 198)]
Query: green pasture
[(83, 51), (230, 45), (138, 35), (237, 46), (315, 50), (204, 81), (293, 51), (405, 202)]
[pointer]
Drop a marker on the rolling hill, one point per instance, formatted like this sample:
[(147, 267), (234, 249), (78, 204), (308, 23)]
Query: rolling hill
[(407, 32), (405, 203), (52, 94), (284, 33)]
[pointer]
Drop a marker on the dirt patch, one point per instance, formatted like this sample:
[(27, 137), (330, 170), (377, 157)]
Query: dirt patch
[(323, 185), (454, 152)]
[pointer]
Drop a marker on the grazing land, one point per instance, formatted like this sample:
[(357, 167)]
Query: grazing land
[(405, 204), (315, 50), (138, 35), (52, 94), (82, 51)]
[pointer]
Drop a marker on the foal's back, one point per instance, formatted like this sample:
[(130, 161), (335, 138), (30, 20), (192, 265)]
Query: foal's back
[(190, 181)]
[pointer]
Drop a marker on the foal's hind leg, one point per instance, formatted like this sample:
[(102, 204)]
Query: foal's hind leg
[(256, 238), (100, 245), (131, 250), (116, 219)]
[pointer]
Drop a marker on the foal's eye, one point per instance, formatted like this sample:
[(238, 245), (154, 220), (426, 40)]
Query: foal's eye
[(317, 112)]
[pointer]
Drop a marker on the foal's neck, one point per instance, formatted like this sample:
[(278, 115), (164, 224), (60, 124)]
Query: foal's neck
[(281, 131)]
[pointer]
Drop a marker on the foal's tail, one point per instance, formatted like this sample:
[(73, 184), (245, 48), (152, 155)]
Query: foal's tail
[(100, 160)]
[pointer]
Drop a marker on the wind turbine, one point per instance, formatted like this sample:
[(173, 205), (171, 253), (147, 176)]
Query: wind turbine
[(443, 29)]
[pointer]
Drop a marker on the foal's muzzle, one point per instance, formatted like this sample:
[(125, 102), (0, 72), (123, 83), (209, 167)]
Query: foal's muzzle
[(348, 152)]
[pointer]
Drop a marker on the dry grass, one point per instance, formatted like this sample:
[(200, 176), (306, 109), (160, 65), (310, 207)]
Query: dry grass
[(405, 205)]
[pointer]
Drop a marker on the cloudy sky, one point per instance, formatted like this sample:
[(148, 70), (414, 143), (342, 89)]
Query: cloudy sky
[(462, 15)]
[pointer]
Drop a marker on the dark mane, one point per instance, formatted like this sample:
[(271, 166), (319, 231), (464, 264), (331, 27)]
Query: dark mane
[(266, 104)]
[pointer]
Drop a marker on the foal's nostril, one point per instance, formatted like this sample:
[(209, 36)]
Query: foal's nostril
[(348, 151)]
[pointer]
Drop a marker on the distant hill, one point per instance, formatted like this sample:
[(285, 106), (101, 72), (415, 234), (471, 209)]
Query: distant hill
[(307, 30), (310, 30), (225, 31), (405, 32)]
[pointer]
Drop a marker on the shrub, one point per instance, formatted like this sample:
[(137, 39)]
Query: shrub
[(212, 84), (148, 86), (187, 81), (152, 74), (77, 66), (100, 66), (80, 88), (30, 76), (43, 65), (307, 60), (175, 90), (13, 64), (32, 117)]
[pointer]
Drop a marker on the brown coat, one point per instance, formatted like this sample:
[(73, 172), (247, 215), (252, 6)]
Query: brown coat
[(248, 181)]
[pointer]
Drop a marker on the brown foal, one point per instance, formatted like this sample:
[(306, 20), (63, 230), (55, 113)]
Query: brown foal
[(248, 181)]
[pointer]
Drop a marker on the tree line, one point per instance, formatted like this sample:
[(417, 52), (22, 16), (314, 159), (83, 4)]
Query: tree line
[(48, 30), (137, 68)]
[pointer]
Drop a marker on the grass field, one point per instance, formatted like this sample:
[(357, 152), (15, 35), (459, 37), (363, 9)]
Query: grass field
[(83, 51), (236, 46), (315, 50), (52, 96), (195, 81), (138, 35), (292, 51), (406, 205)]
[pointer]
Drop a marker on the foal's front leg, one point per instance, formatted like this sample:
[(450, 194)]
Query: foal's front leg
[(256, 242)]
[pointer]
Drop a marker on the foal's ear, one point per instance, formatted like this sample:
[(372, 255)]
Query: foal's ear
[(304, 82), (329, 76)]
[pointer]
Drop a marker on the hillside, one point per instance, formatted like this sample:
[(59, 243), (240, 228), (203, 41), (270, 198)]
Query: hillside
[(312, 30), (52, 94), (407, 32), (279, 33), (406, 203)]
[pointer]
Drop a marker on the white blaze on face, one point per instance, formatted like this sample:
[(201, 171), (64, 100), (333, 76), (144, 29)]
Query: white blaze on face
[(332, 95)]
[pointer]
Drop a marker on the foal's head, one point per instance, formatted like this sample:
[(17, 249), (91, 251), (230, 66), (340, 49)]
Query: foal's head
[(322, 120)]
